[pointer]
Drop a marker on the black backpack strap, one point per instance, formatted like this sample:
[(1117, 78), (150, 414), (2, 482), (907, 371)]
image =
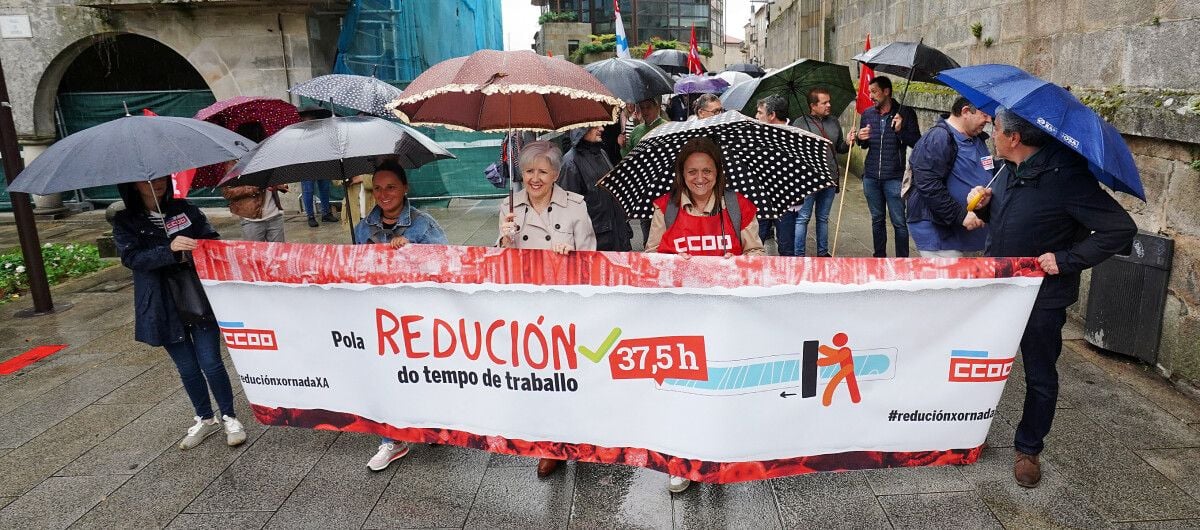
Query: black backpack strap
[(672, 213), (735, 213)]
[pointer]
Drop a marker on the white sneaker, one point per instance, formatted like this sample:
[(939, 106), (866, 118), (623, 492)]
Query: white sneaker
[(678, 484), (388, 452), (198, 432), (235, 434)]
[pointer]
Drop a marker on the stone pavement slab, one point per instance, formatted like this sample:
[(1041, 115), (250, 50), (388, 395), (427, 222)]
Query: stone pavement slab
[(947, 510), (33, 418), (265, 474), (139, 442), (432, 487), (339, 491), (1056, 503), (32, 462), (513, 497), (915, 480), (615, 496), (828, 500), (739, 505), (209, 521), (58, 502), (1182, 466)]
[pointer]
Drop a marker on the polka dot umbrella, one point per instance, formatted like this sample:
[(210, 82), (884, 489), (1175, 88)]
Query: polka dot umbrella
[(358, 92), (273, 114), (775, 166), (495, 91)]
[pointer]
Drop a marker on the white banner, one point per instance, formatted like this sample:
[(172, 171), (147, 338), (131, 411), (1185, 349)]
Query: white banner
[(789, 364)]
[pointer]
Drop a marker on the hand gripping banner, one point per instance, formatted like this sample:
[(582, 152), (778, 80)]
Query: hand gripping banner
[(719, 370)]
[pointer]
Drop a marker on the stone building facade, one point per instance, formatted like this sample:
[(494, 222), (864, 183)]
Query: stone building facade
[(1132, 61), (239, 47)]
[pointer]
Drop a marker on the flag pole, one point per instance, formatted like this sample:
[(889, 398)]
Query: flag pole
[(837, 226)]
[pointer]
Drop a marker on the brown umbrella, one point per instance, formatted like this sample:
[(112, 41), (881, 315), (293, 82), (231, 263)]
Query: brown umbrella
[(494, 91)]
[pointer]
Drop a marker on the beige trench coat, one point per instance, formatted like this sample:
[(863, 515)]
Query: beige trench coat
[(566, 220)]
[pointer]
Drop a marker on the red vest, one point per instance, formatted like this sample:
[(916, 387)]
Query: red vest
[(704, 235)]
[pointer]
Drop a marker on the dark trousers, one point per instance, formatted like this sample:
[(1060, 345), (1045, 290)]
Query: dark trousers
[(785, 234), (885, 195), (1040, 346), (198, 359)]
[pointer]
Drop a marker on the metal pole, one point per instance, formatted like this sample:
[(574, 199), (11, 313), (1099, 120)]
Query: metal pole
[(31, 250)]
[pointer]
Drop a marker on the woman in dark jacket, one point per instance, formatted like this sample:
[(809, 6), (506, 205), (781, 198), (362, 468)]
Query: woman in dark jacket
[(582, 168), (155, 234)]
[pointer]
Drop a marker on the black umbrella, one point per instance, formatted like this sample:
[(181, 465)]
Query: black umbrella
[(775, 166), (793, 82), (333, 149), (358, 92), (673, 61), (747, 68), (913, 61), (631, 79), (129, 149)]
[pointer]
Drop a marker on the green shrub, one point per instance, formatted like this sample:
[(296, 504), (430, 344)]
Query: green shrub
[(557, 16), (62, 262)]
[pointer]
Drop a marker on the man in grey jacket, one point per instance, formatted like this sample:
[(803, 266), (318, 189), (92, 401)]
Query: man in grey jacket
[(821, 121)]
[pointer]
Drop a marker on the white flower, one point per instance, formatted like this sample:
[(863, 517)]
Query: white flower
[(46, 245), (20, 269)]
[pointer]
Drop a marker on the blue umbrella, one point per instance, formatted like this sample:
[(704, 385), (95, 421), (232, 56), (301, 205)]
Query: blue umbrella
[(1057, 112)]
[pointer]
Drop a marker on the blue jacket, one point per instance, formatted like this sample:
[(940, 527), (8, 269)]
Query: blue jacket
[(145, 249), (886, 147), (417, 226), (934, 197), (1052, 203)]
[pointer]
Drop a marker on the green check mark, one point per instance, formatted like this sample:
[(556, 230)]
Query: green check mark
[(600, 352)]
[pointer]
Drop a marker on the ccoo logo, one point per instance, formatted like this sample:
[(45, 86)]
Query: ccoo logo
[(239, 337), (974, 366)]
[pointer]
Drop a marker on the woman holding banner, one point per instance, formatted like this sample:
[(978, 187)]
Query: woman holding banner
[(394, 222), (155, 235), (696, 216), (544, 216)]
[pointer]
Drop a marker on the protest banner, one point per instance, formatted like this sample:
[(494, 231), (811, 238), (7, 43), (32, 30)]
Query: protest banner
[(719, 370)]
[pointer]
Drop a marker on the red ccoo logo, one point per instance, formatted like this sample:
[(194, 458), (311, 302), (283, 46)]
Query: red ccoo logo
[(239, 337), (971, 366)]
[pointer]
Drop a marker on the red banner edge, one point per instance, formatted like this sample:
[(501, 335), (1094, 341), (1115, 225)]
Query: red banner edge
[(696, 470)]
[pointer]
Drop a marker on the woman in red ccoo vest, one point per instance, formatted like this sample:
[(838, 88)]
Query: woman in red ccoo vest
[(698, 209)]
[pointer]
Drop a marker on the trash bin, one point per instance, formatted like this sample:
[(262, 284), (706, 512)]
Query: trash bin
[(1126, 298)]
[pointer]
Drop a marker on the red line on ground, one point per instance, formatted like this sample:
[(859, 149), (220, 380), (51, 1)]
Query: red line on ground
[(29, 357)]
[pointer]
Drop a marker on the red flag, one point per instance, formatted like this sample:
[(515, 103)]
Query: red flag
[(694, 65), (649, 50), (182, 180), (865, 75)]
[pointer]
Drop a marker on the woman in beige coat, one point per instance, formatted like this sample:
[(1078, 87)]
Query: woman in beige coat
[(543, 215)]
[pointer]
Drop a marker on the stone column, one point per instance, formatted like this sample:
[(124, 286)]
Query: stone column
[(44, 206)]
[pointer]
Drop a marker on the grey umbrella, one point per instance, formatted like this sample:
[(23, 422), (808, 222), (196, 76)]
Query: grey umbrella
[(358, 92), (911, 60), (673, 61), (129, 149), (333, 149), (631, 79)]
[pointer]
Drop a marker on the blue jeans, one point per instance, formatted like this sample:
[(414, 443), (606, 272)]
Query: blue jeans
[(785, 233), (1040, 346), (322, 188), (823, 200), (198, 359), (883, 194)]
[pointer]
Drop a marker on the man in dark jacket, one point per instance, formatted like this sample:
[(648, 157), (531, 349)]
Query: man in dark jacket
[(582, 168), (887, 132), (1050, 206), (947, 163)]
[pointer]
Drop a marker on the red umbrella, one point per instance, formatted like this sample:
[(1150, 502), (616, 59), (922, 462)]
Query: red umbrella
[(273, 114), (492, 90)]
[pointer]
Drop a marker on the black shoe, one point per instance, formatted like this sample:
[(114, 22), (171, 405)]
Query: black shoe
[(329, 217), (824, 255), (312, 221)]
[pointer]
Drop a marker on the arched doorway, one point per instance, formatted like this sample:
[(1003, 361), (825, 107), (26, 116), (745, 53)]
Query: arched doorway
[(106, 76)]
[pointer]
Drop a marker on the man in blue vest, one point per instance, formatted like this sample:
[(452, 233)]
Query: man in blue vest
[(949, 160)]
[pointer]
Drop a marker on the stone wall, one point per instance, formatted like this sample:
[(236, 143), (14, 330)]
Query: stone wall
[(1132, 61), (554, 37), (239, 48)]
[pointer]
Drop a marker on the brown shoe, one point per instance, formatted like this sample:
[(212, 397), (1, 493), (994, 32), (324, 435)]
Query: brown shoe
[(546, 466), (1027, 470)]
